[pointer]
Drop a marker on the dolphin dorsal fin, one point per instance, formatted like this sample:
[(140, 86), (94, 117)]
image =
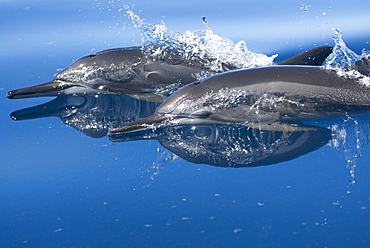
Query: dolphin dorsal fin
[(314, 57)]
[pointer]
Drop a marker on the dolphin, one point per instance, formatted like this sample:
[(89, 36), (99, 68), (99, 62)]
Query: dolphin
[(275, 98), (132, 72), (122, 70)]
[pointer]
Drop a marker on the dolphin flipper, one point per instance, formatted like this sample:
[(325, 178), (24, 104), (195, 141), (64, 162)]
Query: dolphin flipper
[(314, 57)]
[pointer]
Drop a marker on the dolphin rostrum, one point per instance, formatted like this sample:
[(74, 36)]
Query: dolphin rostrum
[(274, 98), (132, 72)]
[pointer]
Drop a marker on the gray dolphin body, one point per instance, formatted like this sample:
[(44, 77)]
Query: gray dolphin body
[(132, 72), (272, 98), (117, 71)]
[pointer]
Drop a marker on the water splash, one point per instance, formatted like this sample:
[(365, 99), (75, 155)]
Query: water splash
[(347, 63), (201, 48), (341, 56), (351, 136), (164, 157)]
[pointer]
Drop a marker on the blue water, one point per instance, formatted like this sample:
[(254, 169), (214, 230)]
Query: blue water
[(61, 188)]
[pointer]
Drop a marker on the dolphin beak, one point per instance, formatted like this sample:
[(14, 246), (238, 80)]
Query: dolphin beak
[(144, 124), (52, 88)]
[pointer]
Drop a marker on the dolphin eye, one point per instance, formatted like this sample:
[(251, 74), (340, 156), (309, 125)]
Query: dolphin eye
[(196, 82), (92, 55)]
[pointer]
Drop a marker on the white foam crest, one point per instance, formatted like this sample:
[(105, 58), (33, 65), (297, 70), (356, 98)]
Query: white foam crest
[(201, 48), (354, 75)]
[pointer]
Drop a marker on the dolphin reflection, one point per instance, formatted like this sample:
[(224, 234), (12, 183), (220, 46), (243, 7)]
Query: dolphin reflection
[(219, 145), (232, 145), (90, 114)]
